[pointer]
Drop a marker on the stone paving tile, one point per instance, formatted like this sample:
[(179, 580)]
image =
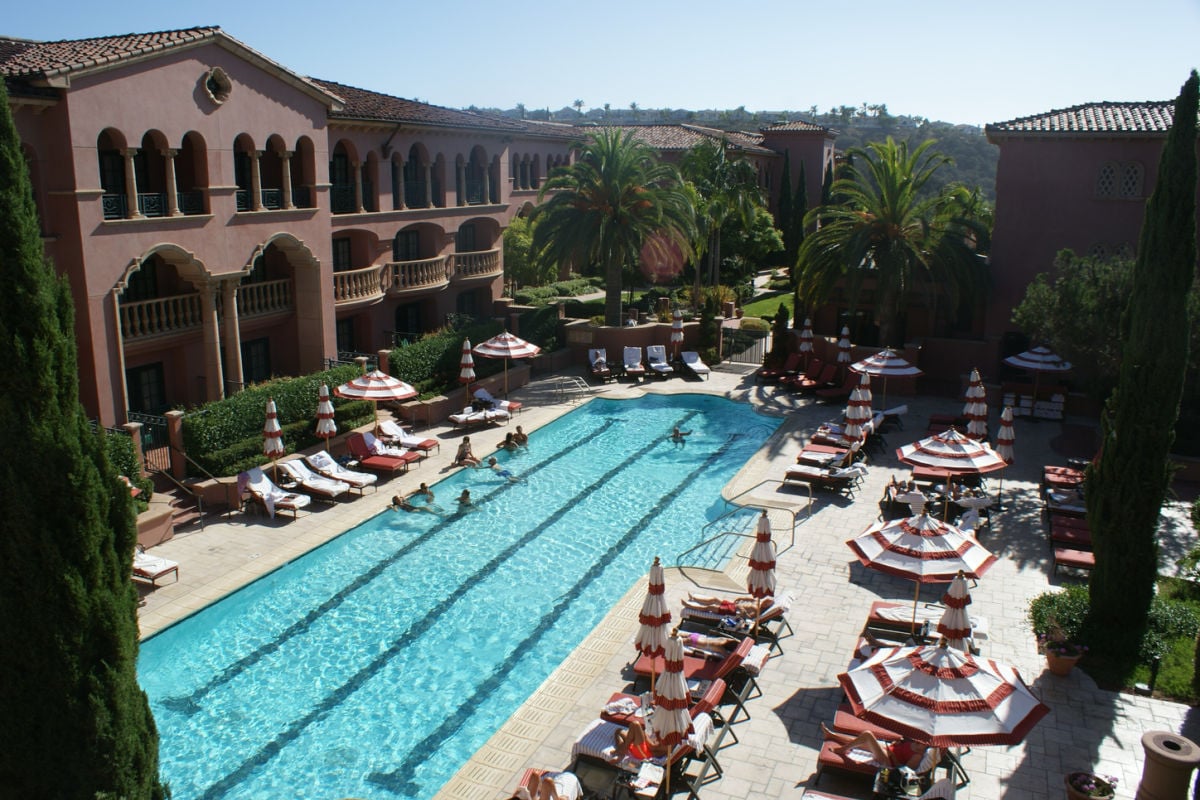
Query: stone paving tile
[(776, 756)]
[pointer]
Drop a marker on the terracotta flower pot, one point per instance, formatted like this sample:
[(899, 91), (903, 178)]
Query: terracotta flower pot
[(1103, 790), (1061, 665)]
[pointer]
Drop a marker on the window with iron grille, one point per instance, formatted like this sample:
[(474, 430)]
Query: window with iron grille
[(1106, 180), (1131, 179)]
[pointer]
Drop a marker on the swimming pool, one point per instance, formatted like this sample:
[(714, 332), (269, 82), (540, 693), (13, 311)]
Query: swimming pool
[(376, 665)]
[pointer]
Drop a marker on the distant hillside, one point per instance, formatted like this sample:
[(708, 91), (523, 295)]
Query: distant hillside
[(974, 158)]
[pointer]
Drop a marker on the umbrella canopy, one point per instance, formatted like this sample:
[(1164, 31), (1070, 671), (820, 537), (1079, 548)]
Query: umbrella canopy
[(843, 345), (922, 549), (955, 624), (654, 619), (671, 719), (953, 452), (760, 582), (467, 364), (943, 697), (326, 427), (975, 410), (272, 433), (506, 346), (1006, 436), (1039, 359), (887, 363), (806, 341), (375, 385)]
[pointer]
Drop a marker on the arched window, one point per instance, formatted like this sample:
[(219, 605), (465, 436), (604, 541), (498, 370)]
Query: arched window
[(1106, 180), (1131, 179)]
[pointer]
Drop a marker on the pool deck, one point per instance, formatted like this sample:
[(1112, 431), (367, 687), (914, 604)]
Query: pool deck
[(1087, 728)]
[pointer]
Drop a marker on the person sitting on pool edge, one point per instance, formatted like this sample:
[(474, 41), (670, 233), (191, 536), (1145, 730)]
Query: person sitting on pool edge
[(501, 471), (521, 437), (744, 606), (464, 457)]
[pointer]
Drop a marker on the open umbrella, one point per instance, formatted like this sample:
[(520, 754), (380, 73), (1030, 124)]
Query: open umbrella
[(806, 341), (923, 549), (975, 410), (506, 346), (467, 365), (671, 719), (273, 437), (326, 427), (1038, 360), (953, 453), (677, 330), (375, 385), (654, 619), (942, 697), (760, 582), (955, 624), (1004, 447), (887, 363)]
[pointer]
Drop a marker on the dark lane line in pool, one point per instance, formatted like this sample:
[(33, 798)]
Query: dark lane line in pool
[(415, 630), (399, 780), (190, 703)]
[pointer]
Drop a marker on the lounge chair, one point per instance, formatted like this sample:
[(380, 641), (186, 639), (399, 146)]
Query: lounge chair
[(693, 364), (379, 448), (790, 366), (1064, 478), (841, 392), (633, 362), (1084, 560), (897, 617), (771, 622), (595, 746), (150, 568), (311, 483), (387, 465), (843, 480), (598, 364), (482, 395), (824, 379), (325, 464), (656, 356), (470, 417), (790, 378), (266, 494), (393, 433), (698, 668)]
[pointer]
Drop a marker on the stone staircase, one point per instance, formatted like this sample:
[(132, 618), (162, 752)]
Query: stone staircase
[(185, 510)]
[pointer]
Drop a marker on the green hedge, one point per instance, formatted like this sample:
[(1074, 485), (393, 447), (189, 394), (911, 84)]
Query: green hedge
[(432, 364), (124, 458), (539, 295), (225, 436)]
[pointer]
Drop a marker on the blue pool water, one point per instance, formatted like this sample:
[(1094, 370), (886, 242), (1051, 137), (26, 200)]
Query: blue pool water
[(376, 665)]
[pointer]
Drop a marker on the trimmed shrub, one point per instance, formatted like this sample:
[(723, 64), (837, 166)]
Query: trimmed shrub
[(540, 326), (580, 309), (124, 458), (431, 365)]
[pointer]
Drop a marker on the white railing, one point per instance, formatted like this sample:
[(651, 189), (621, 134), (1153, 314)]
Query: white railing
[(405, 276), (477, 264), (267, 297), (358, 285), (160, 317)]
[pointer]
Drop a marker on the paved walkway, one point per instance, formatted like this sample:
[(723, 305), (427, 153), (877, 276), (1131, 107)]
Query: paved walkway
[(1087, 728)]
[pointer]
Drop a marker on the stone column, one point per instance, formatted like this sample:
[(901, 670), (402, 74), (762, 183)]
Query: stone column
[(403, 186), (358, 203), (487, 186), (286, 157), (172, 188), (460, 183), (134, 429), (175, 437), (256, 180), (132, 210), (215, 388), (428, 185), (232, 334)]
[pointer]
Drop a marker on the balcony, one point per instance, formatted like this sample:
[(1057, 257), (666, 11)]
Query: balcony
[(410, 277), (152, 204), (190, 203), (162, 316), (302, 197), (414, 194), (341, 197), (357, 287), (481, 264), (264, 298), (114, 206)]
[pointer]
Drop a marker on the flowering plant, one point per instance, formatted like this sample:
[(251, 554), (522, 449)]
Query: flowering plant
[(1063, 648), (1091, 785)]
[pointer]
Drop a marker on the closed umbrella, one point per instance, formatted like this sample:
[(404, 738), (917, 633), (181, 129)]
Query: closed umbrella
[(943, 697), (760, 582), (677, 330), (955, 624), (506, 346), (375, 386), (843, 348), (467, 366), (1005, 437), (273, 437), (887, 363), (671, 719), (975, 410), (654, 619), (326, 427), (806, 341), (858, 411)]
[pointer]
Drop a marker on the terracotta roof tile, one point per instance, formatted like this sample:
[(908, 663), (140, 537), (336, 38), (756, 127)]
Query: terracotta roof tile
[(795, 125), (1138, 118), (363, 104), (685, 137), (19, 57)]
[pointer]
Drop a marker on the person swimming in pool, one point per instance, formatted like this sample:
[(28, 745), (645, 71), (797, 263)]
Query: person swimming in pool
[(521, 437), (401, 503), (501, 471), (678, 436), (464, 500)]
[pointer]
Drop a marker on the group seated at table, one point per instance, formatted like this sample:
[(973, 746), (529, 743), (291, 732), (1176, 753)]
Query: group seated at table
[(267, 495), (393, 433), (312, 483), (325, 464), (598, 364)]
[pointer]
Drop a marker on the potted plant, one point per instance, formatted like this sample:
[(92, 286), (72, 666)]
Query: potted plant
[(1061, 653), (1057, 620), (1087, 784)]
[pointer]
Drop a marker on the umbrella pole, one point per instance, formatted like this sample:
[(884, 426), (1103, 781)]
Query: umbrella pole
[(999, 492), (916, 599)]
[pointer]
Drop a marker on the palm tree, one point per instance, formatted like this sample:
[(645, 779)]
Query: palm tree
[(578, 107), (601, 209), (885, 227), (728, 190)]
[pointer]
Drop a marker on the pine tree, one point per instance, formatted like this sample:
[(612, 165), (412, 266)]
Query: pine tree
[(1127, 483), (799, 210), (783, 218), (73, 721)]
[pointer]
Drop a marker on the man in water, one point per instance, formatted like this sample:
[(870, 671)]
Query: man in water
[(677, 436), (499, 470)]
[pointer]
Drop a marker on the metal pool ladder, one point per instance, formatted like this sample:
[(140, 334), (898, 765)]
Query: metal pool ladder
[(572, 389)]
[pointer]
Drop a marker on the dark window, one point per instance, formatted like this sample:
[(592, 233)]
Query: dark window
[(143, 284), (258, 273), (341, 254), (397, 186), (408, 322), (464, 240), (406, 246), (345, 336), (468, 303), (256, 360), (339, 170), (241, 170), (112, 172), (147, 388)]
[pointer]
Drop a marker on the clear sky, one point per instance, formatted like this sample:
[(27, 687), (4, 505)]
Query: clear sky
[(969, 62)]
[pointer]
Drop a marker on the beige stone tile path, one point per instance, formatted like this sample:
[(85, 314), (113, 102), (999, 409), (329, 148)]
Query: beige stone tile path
[(776, 756)]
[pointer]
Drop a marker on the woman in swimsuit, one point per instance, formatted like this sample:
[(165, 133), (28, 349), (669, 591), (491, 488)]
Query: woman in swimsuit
[(918, 757), (737, 606), (634, 742)]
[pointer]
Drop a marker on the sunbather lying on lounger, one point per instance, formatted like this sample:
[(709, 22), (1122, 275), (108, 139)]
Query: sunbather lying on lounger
[(636, 743), (744, 606), (559, 786), (708, 646), (902, 753)]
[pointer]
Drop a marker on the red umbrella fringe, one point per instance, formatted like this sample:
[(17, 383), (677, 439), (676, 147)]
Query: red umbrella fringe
[(646, 619), (916, 734), (954, 633), (670, 705), (761, 566), (956, 602)]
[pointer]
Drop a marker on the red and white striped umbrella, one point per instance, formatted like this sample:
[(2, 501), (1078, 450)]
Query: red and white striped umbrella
[(955, 624), (953, 452), (922, 549), (326, 427), (806, 341), (858, 412), (943, 697), (887, 363), (677, 329), (506, 346), (760, 582), (843, 345), (654, 619), (467, 364), (375, 385), (272, 433), (671, 719), (1006, 436), (1039, 359), (975, 410)]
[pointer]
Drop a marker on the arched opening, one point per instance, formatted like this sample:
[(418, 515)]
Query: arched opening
[(416, 178), (149, 169), (279, 310), (437, 180), (370, 180), (110, 152), (270, 165), (191, 174), (475, 179), (243, 172), (342, 165), (304, 174), (396, 168), (535, 172)]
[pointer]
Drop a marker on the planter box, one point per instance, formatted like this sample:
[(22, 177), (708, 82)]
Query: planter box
[(155, 525)]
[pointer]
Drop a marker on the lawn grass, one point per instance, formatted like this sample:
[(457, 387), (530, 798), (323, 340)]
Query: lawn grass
[(767, 305)]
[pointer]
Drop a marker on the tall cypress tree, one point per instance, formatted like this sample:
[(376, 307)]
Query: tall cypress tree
[(73, 721), (799, 209), (783, 219), (1127, 483)]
